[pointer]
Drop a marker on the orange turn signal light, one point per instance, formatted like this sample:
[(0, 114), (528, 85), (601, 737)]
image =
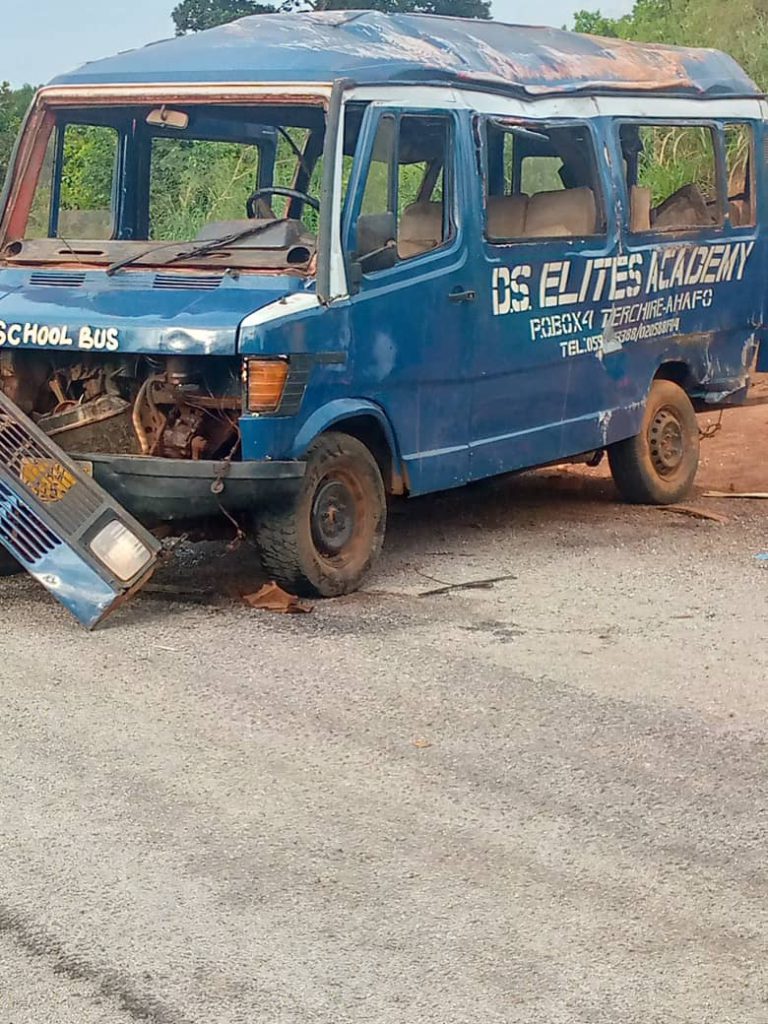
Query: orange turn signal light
[(265, 381)]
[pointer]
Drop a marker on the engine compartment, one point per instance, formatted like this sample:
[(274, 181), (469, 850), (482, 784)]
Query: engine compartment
[(180, 407)]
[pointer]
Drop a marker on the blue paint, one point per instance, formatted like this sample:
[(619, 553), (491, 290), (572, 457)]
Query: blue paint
[(150, 320), (372, 47), (468, 394)]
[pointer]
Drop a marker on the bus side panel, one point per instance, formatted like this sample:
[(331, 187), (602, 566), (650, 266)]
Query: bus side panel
[(595, 327)]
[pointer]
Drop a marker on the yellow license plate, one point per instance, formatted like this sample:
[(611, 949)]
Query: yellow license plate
[(47, 479)]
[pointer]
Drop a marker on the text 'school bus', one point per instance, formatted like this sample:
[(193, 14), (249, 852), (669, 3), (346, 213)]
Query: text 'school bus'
[(296, 264)]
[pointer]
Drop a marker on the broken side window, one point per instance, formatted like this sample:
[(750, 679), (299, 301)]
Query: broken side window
[(672, 176), (405, 210), (739, 151), (541, 181)]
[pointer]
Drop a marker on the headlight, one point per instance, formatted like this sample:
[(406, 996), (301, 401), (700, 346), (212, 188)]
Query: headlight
[(120, 550)]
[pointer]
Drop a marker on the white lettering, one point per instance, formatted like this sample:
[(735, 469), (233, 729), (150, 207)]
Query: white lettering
[(745, 251), (500, 280), (551, 277)]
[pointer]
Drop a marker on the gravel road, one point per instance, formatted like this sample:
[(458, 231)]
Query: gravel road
[(540, 801)]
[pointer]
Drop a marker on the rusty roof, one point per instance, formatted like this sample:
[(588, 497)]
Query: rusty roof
[(369, 47)]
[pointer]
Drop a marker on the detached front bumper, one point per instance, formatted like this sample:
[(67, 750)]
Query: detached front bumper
[(164, 490)]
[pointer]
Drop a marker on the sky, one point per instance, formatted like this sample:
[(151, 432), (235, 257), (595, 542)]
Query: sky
[(42, 38)]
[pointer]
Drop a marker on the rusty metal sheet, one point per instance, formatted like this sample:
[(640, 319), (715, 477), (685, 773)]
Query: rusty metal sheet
[(370, 47)]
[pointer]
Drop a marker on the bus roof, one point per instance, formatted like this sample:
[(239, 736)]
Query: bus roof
[(368, 47)]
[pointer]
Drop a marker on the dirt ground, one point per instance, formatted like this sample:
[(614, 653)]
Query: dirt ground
[(538, 800), (735, 459)]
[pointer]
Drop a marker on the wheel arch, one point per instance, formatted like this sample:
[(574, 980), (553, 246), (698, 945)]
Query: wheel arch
[(678, 371), (366, 421)]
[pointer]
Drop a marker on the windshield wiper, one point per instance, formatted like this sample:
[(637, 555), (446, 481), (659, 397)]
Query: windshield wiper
[(114, 267), (199, 250), (221, 243)]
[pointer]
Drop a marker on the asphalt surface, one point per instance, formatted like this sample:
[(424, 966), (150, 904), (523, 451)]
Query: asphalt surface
[(538, 801)]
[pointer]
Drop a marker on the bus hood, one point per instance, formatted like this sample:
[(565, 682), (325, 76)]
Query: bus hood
[(153, 312)]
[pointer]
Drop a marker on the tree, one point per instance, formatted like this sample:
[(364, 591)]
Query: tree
[(594, 23), (197, 15), (456, 8), (743, 32), (13, 106)]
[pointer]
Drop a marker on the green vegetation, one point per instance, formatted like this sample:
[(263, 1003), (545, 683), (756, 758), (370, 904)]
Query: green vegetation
[(740, 27), (196, 15), (13, 106), (674, 157), (195, 182), (87, 175)]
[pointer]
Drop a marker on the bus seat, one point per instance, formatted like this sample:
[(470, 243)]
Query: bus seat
[(685, 208), (566, 212), (639, 208), (506, 216), (421, 229), (374, 231), (740, 211), (220, 228)]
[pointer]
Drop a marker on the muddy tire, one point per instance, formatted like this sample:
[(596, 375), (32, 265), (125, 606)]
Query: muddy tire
[(326, 542), (658, 466), (8, 564)]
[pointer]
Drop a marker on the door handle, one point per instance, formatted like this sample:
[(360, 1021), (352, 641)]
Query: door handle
[(459, 296)]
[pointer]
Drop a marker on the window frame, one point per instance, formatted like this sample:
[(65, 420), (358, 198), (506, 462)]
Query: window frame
[(359, 180), (391, 170), (448, 224), (718, 152), (753, 192), (58, 138), (482, 122)]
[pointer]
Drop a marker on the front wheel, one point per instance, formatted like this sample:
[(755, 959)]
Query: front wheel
[(327, 540), (658, 465)]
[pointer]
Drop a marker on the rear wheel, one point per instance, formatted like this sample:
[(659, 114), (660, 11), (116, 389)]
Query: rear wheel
[(658, 466), (327, 541)]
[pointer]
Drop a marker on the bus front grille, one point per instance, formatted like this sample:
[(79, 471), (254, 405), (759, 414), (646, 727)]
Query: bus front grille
[(22, 530)]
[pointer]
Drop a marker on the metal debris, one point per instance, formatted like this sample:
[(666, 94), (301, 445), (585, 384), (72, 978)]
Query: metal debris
[(694, 513), (446, 588), (272, 598), (736, 494)]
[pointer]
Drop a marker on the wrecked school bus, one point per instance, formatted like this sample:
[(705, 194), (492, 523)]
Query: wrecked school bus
[(328, 258)]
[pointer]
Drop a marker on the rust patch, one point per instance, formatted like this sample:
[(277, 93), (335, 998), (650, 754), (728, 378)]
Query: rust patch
[(613, 64), (317, 93)]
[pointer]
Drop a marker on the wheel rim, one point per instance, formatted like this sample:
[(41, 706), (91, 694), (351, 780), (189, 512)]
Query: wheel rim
[(336, 516), (666, 441)]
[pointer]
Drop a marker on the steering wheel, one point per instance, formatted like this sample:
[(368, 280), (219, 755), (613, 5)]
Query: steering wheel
[(276, 190)]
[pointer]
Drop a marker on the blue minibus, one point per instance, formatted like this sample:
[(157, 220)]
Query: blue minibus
[(292, 267)]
